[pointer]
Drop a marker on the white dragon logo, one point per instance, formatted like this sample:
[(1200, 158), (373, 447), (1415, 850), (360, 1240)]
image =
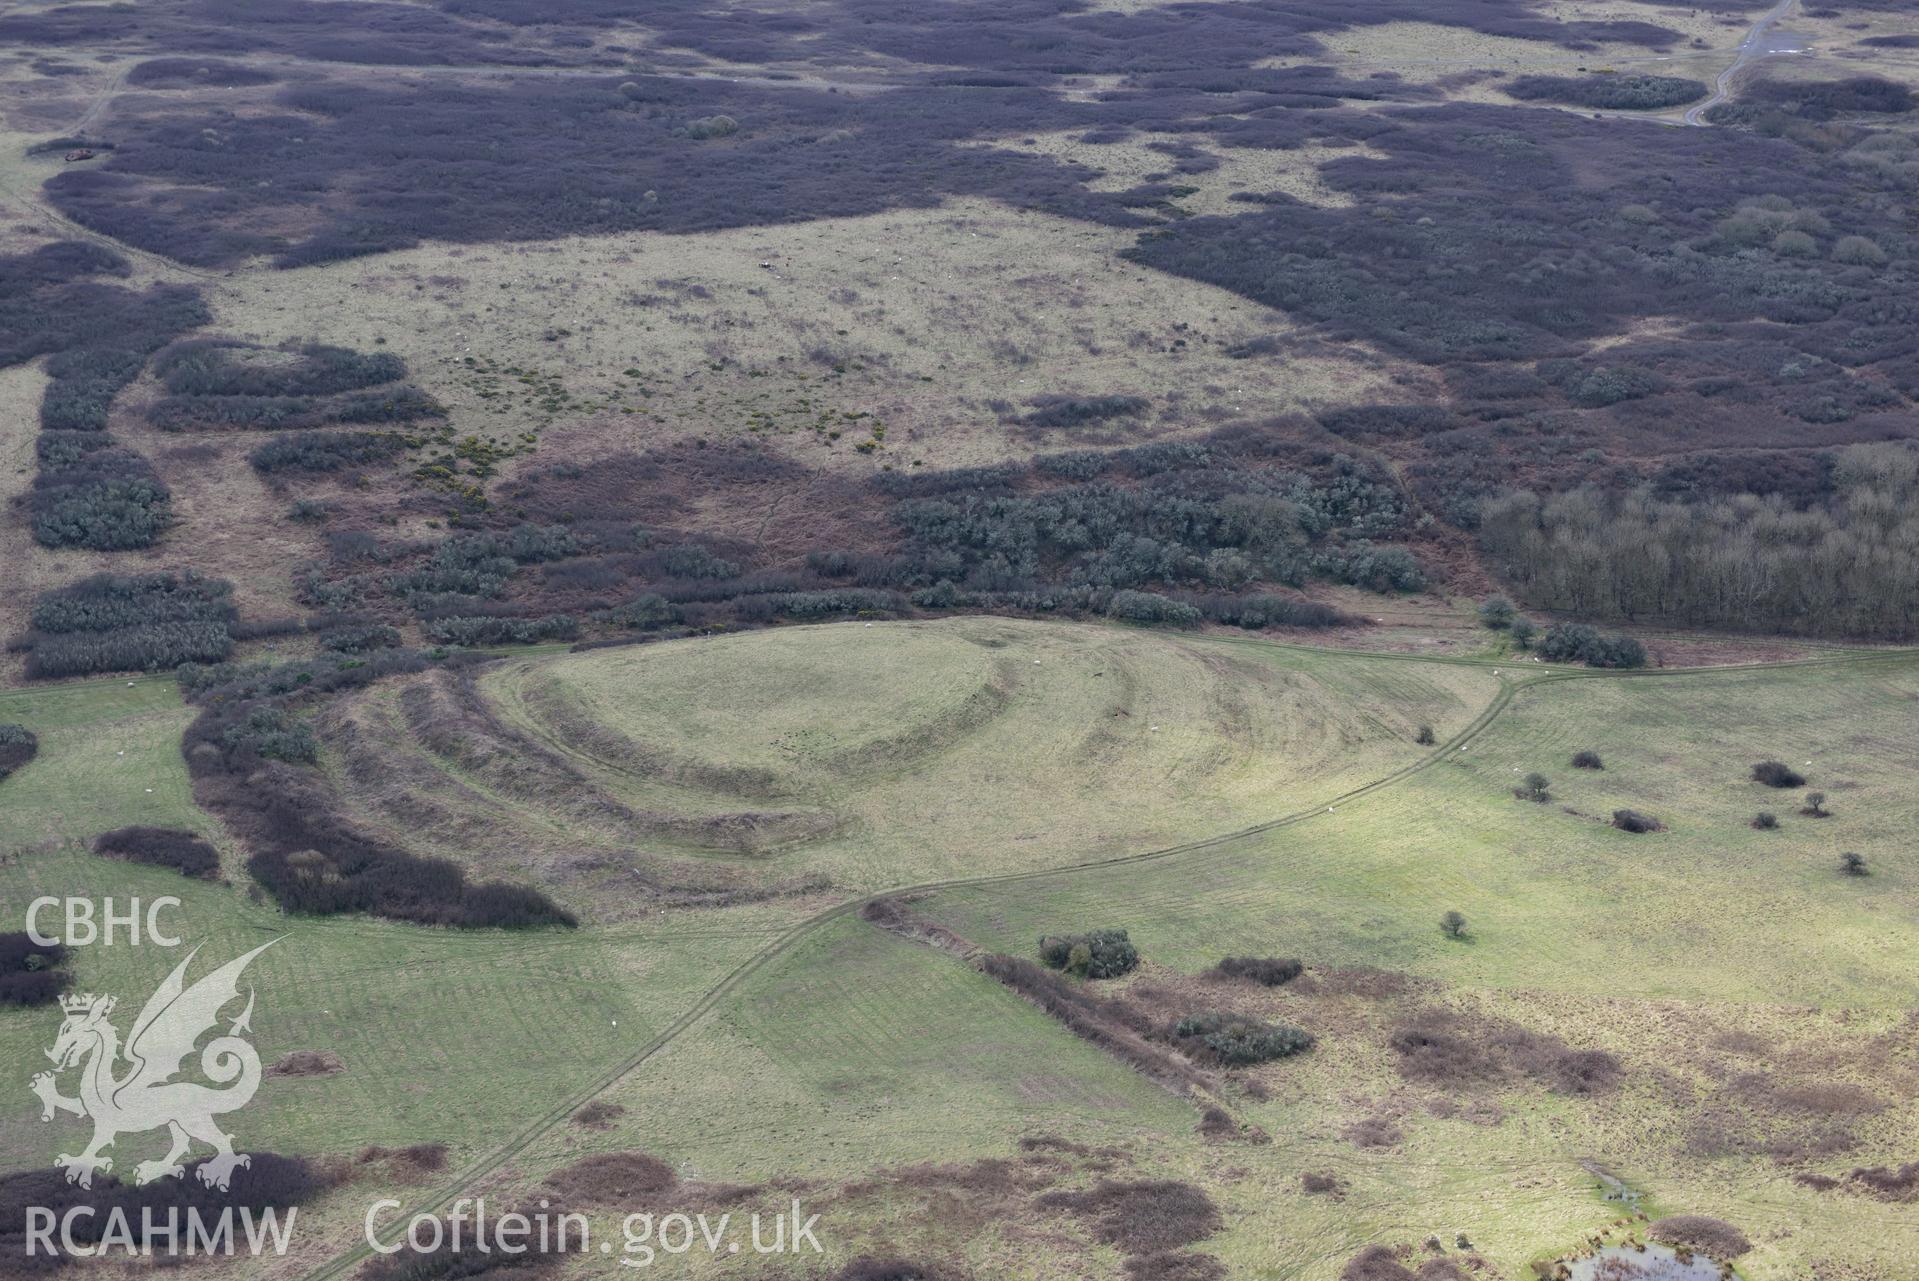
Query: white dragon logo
[(146, 1097)]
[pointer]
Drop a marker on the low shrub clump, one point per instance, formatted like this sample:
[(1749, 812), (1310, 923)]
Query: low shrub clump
[(1152, 609), (1535, 787), (1142, 1217), (1710, 1236), (1076, 411), (1269, 970), (359, 638), (1777, 774), (30, 972), (18, 745), (465, 1256), (223, 367), (888, 1268), (823, 604), (1256, 611), (1452, 1049), (1102, 954), (1765, 821), (213, 382), (185, 852), (644, 612), (1634, 821), (1497, 612), (325, 451), (627, 1179), (1587, 760), (1891, 1183), (1582, 643), (1238, 1041)]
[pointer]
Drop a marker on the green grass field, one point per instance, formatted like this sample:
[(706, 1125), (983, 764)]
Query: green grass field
[(1663, 949), (1755, 998)]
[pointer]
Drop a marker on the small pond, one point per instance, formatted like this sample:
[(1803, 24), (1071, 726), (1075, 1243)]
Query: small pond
[(1654, 1263)]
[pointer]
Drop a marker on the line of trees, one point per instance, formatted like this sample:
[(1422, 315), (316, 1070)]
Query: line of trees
[(1745, 562)]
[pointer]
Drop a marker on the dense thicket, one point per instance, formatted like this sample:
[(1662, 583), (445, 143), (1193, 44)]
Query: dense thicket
[(581, 154), (101, 333), (196, 73), (218, 382), (1608, 93), (1185, 516), (1477, 239), (100, 496), (97, 337), (1844, 568), (1235, 1040), (1010, 44), (129, 622), (1443, 1047), (1100, 954), (1824, 99), (1167, 535), (1583, 643), (1495, 244), (83, 383)]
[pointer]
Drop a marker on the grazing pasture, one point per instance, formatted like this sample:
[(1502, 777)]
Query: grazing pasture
[(1638, 991)]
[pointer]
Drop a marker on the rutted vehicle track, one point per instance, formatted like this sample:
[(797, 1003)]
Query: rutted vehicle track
[(1751, 48)]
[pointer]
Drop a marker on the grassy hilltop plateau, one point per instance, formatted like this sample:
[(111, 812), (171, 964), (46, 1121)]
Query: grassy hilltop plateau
[(1064, 639)]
